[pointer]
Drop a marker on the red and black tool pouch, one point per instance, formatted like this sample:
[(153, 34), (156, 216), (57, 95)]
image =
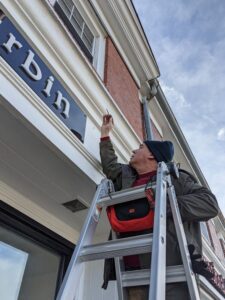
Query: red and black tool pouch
[(132, 216)]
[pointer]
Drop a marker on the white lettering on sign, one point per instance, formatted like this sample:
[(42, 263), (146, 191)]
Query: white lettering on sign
[(11, 42), (30, 62), (48, 87), (32, 69), (58, 103)]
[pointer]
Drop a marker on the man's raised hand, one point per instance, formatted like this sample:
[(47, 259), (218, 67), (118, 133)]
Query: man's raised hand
[(107, 125)]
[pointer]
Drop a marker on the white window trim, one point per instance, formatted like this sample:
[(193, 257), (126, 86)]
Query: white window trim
[(98, 31), (99, 34)]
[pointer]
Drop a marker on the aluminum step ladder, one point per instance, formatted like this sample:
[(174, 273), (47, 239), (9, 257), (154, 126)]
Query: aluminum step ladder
[(155, 243)]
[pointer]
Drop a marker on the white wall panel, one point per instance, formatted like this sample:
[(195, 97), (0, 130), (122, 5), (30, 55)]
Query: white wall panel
[(93, 282), (49, 126)]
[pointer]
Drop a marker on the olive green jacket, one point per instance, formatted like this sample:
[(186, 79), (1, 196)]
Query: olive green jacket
[(196, 203)]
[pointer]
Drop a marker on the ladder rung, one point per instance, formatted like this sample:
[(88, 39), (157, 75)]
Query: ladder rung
[(122, 196), (142, 277), (118, 248)]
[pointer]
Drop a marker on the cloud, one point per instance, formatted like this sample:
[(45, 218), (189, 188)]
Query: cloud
[(188, 41), (210, 157), (221, 134), (175, 98)]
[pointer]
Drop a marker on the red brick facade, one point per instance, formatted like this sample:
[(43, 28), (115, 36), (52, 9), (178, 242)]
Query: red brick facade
[(215, 240), (123, 88)]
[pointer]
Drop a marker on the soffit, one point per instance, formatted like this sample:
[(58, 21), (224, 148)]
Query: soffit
[(40, 173)]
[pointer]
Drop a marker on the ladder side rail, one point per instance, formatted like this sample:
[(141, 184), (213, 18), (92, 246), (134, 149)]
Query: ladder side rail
[(71, 279), (119, 267), (158, 258), (190, 276)]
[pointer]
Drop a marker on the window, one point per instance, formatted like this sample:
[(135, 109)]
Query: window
[(12, 266), (204, 231), (25, 266), (85, 28), (33, 259), (76, 25), (222, 243)]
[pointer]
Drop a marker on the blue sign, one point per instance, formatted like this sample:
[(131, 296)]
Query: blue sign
[(15, 50)]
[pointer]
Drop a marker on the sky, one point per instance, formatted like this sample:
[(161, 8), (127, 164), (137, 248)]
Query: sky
[(188, 41)]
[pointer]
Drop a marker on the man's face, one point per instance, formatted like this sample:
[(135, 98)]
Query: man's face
[(140, 155)]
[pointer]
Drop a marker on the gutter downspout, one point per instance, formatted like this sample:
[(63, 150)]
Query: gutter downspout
[(147, 115), (147, 119)]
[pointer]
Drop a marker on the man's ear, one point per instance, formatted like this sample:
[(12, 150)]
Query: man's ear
[(150, 155)]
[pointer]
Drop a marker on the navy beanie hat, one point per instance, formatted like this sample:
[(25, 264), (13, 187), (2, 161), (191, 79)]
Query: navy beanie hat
[(162, 151)]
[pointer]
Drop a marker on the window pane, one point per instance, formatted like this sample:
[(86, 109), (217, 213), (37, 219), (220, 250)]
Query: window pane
[(67, 3), (204, 231), (88, 38), (77, 16), (88, 34), (76, 26), (26, 269), (12, 265), (87, 43), (66, 7)]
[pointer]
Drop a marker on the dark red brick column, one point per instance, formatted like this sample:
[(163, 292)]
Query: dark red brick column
[(123, 88)]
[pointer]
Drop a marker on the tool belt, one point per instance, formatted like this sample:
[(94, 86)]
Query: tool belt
[(133, 216)]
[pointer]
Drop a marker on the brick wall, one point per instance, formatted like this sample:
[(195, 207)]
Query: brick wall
[(215, 240), (123, 88)]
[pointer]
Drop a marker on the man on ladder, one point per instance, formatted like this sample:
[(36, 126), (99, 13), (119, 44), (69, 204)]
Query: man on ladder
[(196, 203)]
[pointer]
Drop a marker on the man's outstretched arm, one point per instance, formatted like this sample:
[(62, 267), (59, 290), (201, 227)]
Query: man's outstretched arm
[(111, 168)]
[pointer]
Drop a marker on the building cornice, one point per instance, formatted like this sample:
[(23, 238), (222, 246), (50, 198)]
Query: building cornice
[(124, 29), (141, 30)]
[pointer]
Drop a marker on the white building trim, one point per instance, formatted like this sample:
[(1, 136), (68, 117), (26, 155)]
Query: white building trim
[(15, 91), (66, 60)]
